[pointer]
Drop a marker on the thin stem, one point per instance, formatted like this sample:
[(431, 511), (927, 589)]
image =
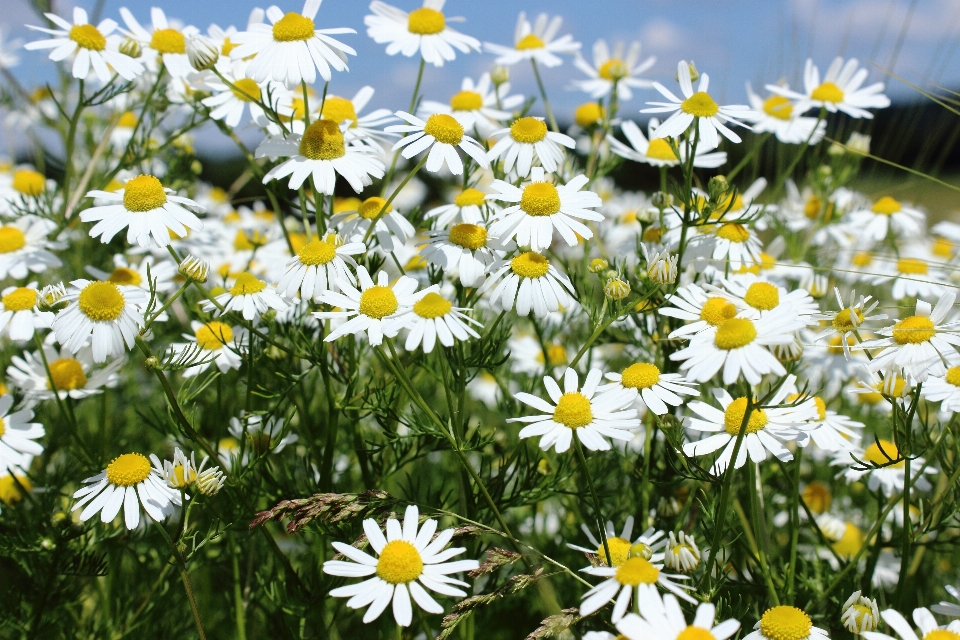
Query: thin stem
[(794, 526), (238, 604), (543, 96), (410, 110), (186, 580), (758, 531), (596, 500)]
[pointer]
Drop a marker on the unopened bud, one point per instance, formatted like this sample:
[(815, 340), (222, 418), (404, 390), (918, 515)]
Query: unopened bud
[(858, 143), (151, 363), (598, 265), (694, 74), (201, 52), (499, 75), (660, 200), (718, 187), (195, 269), (616, 289), (130, 47), (51, 297)]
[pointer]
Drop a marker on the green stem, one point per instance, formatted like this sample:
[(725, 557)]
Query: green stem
[(794, 526), (543, 96), (186, 580), (238, 604), (596, 500), (759, 532), (413, 105)]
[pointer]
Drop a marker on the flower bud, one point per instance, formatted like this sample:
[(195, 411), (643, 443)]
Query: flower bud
[(616, 289), (858, 143), (130, 47), (694, 74), (598, 265), (661, 266), (718, 187), (210, 481), (860, 614), (682, 554), (660, 200), (588, 114), (51, 297), (201, 52), (193, 268), (499, 75)]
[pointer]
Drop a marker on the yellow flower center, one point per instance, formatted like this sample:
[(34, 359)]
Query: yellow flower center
[(619, 551), (886, 206), (695, 633), (659, 149), (426, 21), (640, 375), (245, 284), (101, 301), (470, 197), (67, 374), (246, 90), (10, 491), (227, 47), (816, 495), (884, 457), (652, 234), (88, 36), (862, 258), (168, 41), (540, 199), (181, 479), (378, 302), (716, 311), (733, 232), (733, 417), (827, 92), (528, 130), (734, 333), (613, 69), (466, 101), (317, 252), (143, 193), (942, 634), (370, 208), (821, 407), (843, 321), (29, 182), (530, 41), (322, 141), (432, 305), (400, 562), (556, 355), (953, 376), (785, 623), (573, 410), (588, 113), (762, 296), (213, 335), (850, 542), (912, 266), (244, 241), (468, 236), (636, 571), (339, 110), (812, 208), (20, 299), (128, 470), (914, 330), (700, 105), (779, 107), (444, 128), (530, 265), (125, 276), (293, 27), (942, 248), (128, 120)]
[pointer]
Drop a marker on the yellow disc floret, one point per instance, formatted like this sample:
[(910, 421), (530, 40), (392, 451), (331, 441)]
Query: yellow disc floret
[(470, 198), (125, 276), (716, 311), (530, 41), (213, 335), (613, 69), (468, 236), (143, 193), (828, 92), (426, 21), (695, 633), (941, 634), (850, 543), (432, 305), (573, 410), (29, 182), (10, 491), (700, 105), (88, 36), (540, 199), (636, 571), (619, 551), (779, 107), (762, 296), (528, 130), (914, 330), (589, 113), (530, 265), (817, 496), (953, 376), (659, 149), (733, 417), (886, 206), (66, 374), (293, 27), (912, 266), (640, 375), (20, 299), (339, 110), (101, 301), (168, 41), (785, 623), (246, 284), (843, 321), (734, 333), (246, 90), (371, 207), (128, 470), (444, 128), (733, 232), (466, 101), (317, 252), (378, 302), (883, 453), (322, 140)]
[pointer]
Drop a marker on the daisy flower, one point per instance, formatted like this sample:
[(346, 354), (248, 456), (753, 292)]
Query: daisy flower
[(478, 105), (321, 152), (539, 207), (778, 115), (921, 344), (318, 266), (71, 375), (881, 463), (924, 620), (424, 30), (731, 242), (661, 266), (766, 429), (249, 296), (375, 309), (613, 70), (848, 320), (701, 310), (107, 313), (442, 134), (18, 435), (785, 621), (944, 389), (24, 247), (391, 230), (831, 430), (128, 482), (648, 545), (530, 282), (681, 553), (434, 317), (912, 274), (407, 561), (94, 46), (526, 139), (650, 388), (219, 343), (757, 298), (657, 152), (840, 90), (636, 575), (292, 50), (148, 274), (664, 620), (860, 614), (464, 249), (19, 315), (468, 206), (696, 107), (884, 216), (144, 208), (739, 346), (582, 411), (229, 103), (165, 41), (535, 42), (873, 391)]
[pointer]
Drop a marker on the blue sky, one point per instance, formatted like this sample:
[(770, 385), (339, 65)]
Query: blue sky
[(733, 40)]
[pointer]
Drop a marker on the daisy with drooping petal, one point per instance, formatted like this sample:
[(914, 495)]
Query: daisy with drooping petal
[(94, 46), (696, 107), (589, 414), (375, 309), (165, 41), (391, 229), (924, 620), (664, 620), (652, 389), (860, 613), (19, 315), (320, 153), (619, 69), (435, 318), (728, 241), (442, 134), (145, 208), (778, 115), (883, 467), (528, 139), (884, 216), (465, 249), (128, 482), (848, 320), (530, 282), (249, 296), (319, 266), (756, 298), (945, 389), (219, 343), (535, 42), (681, 553), (784, 621), (636, 575), (648, 545), (407, 561), (71, 375), (292, 49), (539, 208), (423, 30), (911, 273), (831, 431), (18, 436), (478, 105), (108, 314), (657, 152), (24, 247), (840, 90)]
